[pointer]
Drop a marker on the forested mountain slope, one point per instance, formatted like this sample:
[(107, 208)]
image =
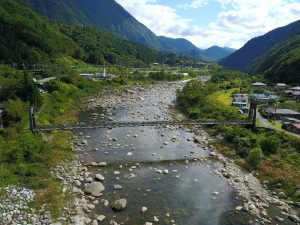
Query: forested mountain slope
[(108, 15), (26, 37), (217, 53), (243, 58), (281, 63)]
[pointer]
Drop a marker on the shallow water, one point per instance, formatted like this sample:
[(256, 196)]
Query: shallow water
[(185, 193)]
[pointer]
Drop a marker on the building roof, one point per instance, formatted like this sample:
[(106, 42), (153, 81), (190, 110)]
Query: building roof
[(296, 93), (258, 84), (292, 119), (297, 125), (259, 96), (281, 84), (295, 88), (281, 111), (2, 106), (86, 74)]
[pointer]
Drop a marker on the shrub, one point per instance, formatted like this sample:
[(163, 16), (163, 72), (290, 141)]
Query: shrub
[(254, 158), (270, 144)]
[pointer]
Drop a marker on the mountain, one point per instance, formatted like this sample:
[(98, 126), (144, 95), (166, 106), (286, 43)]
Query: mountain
[(26, 37), (256, 47), (109, 16), (106, 15), (216, 53), (183, 46), (281, 63)]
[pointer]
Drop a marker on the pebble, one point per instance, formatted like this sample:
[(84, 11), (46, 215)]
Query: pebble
[(155, 219), (99, 177), (101, 218), (144, 209)]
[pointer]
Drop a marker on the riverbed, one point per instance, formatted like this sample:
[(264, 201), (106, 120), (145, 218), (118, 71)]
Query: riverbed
[(162, 171)]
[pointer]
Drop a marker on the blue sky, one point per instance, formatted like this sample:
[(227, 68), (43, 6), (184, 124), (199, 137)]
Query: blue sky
[(226, 23)]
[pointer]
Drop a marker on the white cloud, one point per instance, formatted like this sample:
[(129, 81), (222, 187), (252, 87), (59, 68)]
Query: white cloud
[(238, 22), (196, 4)]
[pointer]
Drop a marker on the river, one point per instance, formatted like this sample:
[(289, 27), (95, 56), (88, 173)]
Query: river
[(160, 168)]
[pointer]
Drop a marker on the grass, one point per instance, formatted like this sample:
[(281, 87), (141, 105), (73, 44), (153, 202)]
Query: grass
[(276, 124), (223, 97), (284, 169)]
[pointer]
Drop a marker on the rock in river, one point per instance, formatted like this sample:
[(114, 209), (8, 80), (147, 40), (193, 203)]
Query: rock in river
[(144, 209), (94, 188), (119, 205), (294, 218), (99, 177)]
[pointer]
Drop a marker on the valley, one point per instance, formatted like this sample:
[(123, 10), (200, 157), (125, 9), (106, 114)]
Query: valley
[(191, 134)]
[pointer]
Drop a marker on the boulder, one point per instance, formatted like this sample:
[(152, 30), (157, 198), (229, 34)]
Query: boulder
[(294, 218), (94, 188), (119, 205)]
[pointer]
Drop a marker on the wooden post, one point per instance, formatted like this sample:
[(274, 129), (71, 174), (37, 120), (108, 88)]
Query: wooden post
[(252, 113), (32, 123)]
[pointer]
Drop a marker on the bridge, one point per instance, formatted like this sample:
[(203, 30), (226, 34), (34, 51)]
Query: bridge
[(161, 123), (251, 120)]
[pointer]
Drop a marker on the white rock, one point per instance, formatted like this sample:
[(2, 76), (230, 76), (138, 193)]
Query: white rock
[(155, 219), (99, 177), (101, 218)]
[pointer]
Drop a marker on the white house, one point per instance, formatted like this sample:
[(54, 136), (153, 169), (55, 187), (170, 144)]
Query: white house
[(258, 85), (280, 86)]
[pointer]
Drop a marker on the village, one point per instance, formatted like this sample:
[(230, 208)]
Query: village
[(273, 105)]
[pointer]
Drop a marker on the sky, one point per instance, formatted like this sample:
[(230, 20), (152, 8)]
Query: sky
[(226, 23)]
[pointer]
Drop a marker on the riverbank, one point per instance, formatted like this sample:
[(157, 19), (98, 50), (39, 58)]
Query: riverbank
[(271, 156)]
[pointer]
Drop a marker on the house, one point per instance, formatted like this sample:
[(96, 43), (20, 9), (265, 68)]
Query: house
[(296, 95), (293, 94), (260, 98), (280, 113), (295, 88), (240, 100), (292, 127), (239, 104), (258, 85), (87, 75), (280, 86)]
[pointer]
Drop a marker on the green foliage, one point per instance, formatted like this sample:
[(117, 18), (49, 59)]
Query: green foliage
[(270, 145), (30, 91), (24, 149), (98, 47), (27, 37), (281, 63), (16, 110), (254, 158), (193, 100), (110, 17), (164, 76)]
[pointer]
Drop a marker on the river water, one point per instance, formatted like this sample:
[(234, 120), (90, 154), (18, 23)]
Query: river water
[(156, 167)]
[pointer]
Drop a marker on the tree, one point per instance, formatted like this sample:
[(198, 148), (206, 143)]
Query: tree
[(30, 91), (254, 158)]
